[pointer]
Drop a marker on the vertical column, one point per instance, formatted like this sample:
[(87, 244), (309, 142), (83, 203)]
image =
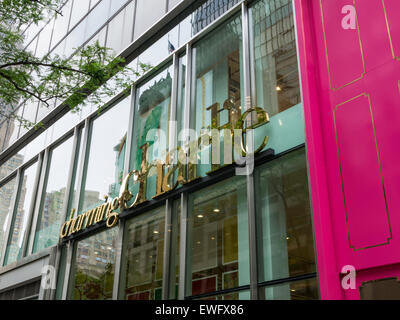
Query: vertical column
[(35, 209), (250, 175)]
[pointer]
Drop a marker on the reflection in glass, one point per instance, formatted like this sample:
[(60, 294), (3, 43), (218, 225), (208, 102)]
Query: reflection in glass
[(285, 234), (151, 135), (210, 11), (275, 76), (145, 256), (238, 295), (6, 195), (94, 266), (52, 203), (105, 164), (299, 290), (217, 84), (218, 242), (26, 196)]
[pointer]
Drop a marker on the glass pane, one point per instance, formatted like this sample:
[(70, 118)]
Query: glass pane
[(61, 24), (300, 290), (275, 74), (148, 12), (11, 165), (25, 197), (151, 133), (51, 213), (30, 112), (239, 295), (217, 83), (120, 29), (210, 11), (172, 4), (94, 266), (79, 9), (6, 195), (145, 256), (44, 40), (285, 232), (218, 243), (96, 18), (75, 181), (106, 157)]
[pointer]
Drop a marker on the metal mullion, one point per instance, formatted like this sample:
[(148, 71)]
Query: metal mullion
[(36, 202), (183, 279), (118, 259), (172, 143), (167, 272), (68, 269), (253, 88), (184, 196), (250, 175), (11, 215), (188, 91), (82, 165), (129, 138)]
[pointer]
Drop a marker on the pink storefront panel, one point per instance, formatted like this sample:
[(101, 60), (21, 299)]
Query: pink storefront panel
[(349, 53)]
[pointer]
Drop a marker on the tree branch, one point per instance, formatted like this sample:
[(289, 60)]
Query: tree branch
[(49, 65)]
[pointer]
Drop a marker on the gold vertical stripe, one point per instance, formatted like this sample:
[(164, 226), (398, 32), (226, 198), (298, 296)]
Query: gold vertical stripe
[(327, 56), (380, 170), (389, 32)]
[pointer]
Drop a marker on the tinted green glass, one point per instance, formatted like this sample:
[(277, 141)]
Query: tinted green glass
[(52, 205), (93, 269), (275, 77), (105, 164), (26, 195), (218, 238), (145, 256), (6, 195), (217, 81), (299, 290), (285, 233)]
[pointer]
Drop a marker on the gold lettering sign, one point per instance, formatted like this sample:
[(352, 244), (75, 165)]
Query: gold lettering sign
[(185, 166)]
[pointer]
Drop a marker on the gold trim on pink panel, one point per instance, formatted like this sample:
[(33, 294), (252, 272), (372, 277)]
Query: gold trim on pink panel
[(327, 56), (380, 170)]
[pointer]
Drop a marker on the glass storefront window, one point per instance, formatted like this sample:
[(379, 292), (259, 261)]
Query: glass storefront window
[(6, 196), (25, 199), (52, 202), (299, 290), (151, 127), (218, 238), (144, 249), (237, 295), (285, 233), (275, 76), (93, 269), (217, 83), (105, 160)]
